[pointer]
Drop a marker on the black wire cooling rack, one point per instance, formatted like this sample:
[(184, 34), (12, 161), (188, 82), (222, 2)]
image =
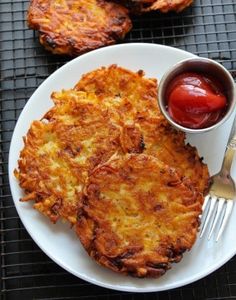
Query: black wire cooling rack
[(208, 29)]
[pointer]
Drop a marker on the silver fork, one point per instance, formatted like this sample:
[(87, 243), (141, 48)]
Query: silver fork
[(219, 202)]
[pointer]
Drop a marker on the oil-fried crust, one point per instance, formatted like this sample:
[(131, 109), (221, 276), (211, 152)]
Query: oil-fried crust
[(74, 27), (61, 149), (133, 98), (142, 6), (138, 216)]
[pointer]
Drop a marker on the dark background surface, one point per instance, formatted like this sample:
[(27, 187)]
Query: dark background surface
[(208, 29)]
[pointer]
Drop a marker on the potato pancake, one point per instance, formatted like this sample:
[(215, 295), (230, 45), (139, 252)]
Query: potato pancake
[(138, 216), (74, 27), (164, 6), (60, 151), (133, 98)]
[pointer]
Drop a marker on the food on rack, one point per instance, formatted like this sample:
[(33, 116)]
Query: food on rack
[(104, 156), (138, 216), (73, 27), (195, 100), (164, 6), (134, 98)]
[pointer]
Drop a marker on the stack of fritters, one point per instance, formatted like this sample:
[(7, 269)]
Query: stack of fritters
[(72, 27), (106, 160), (133, 99)]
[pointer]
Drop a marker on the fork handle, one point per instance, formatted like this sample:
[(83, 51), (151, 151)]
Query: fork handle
[(232, 143), (230, 151), (227, 162)]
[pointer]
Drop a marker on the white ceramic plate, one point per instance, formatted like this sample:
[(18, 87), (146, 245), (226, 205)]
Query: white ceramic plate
[(58, 241)]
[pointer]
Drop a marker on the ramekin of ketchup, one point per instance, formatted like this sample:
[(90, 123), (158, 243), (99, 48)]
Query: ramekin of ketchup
[(197, 95)]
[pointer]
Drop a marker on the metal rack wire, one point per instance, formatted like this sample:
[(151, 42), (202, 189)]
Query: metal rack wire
[(208, 29)]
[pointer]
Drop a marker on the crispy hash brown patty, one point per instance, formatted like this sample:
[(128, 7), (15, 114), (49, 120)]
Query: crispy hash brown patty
[(74, 27), (61, 149), (164, 6), (133, 98), (138, 216)]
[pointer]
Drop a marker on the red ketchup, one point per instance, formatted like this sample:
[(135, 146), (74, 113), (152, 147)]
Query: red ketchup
[(195, 100)]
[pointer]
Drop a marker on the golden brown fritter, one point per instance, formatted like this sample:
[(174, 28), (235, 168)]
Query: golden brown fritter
[(60, 151), (73, 27), (138, 216), (164, 6), (133, 98)]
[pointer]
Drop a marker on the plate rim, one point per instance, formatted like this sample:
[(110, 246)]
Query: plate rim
[(14, 196)]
